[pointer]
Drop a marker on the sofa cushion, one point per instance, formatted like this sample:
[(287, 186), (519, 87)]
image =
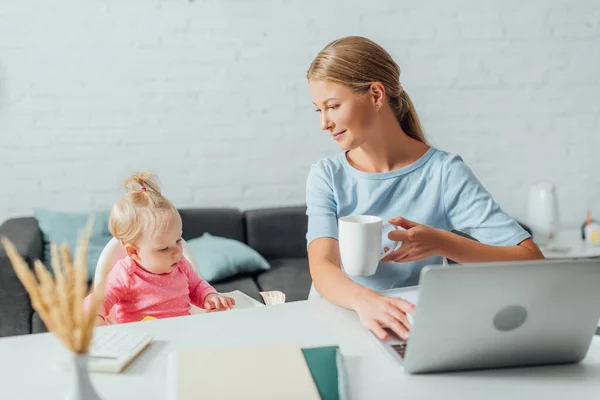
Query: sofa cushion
[(224, 222), (25, 234), (243, 283), (64, 227), (15, 308), (15, 313), (289, 275), (221, 258), (37, 325), (277, 232)]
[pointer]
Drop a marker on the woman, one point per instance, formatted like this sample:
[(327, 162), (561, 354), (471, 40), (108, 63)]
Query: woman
[(388, 169)]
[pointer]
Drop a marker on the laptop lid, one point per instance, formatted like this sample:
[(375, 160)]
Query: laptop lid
[(504, 314)]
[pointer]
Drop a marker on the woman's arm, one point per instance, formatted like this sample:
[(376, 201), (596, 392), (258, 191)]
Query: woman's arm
[(372, 308), (471, 209), (463, 250), (420, 242), (329, 279)]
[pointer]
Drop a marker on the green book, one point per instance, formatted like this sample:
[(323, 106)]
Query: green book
[(327, 369)]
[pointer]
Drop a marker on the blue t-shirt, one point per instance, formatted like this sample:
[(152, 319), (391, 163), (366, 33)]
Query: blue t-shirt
[(438, 190)]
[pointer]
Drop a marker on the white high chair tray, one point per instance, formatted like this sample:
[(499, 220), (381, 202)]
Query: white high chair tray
[(242, 300)]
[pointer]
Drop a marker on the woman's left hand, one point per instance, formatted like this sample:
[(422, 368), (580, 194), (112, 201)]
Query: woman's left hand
[(419, 242)]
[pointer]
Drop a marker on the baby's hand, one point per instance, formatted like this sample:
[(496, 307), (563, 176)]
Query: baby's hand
[(100, 321), (217, 302)]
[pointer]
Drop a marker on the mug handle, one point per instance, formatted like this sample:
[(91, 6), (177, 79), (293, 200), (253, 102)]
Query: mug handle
[(395, 243)]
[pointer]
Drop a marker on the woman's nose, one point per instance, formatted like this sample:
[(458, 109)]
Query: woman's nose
[(325, 122)]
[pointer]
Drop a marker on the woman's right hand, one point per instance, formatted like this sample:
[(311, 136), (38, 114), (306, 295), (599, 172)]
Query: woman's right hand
[(375, 310)]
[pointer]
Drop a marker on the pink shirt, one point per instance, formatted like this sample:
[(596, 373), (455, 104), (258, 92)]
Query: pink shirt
[(136, 293)]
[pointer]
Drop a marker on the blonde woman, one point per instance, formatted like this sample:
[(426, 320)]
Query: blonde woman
[(387, 169)]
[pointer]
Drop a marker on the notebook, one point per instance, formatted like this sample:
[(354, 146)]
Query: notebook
[(256, 372), (327, 368)]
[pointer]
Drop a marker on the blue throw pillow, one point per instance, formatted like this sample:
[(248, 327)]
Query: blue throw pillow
[(64, 227), (221, 258)]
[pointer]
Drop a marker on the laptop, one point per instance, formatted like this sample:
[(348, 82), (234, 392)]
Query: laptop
[(498, 315)]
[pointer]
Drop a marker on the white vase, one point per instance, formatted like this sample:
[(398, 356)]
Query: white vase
[(81, 386), (542, 213)]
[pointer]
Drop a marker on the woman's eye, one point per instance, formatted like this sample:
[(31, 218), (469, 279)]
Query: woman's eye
[(317, 110), (179, 241), (165, 249), (333, 107)]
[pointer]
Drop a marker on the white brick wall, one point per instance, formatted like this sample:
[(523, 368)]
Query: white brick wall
[(211, 94)]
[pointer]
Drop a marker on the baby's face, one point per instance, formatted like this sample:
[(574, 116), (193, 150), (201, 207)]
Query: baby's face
[(160, 254)]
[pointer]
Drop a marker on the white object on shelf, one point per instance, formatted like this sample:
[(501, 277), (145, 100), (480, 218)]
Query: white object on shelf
[(542, 212), (568, 244), (592, 234)]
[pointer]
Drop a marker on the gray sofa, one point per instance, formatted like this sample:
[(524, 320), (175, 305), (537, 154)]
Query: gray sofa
[(276, 233)]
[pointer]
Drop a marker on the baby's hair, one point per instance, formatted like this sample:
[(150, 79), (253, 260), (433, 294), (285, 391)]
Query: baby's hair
[(143, 207)]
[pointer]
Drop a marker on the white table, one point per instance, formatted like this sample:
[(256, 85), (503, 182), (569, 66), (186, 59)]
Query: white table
[(568, 244), (29, 368)]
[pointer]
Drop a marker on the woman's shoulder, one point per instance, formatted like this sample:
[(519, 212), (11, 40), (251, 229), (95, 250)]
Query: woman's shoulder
[(443, 156), (453, 168), (327, 167), (330, 163), (446, 160)]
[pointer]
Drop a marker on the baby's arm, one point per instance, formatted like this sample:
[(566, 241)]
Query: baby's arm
[(117, 283), (108, 302), (198, 287)]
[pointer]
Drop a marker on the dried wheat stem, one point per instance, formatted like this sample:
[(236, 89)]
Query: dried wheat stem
[(90, 323), (67, 266), (61, 292), (28, 280), (80, 278), (50, 298), (59, 301)]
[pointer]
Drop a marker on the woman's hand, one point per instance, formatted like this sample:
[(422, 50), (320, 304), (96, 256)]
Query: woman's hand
[(419, 242), (217, 302), (375, 310)]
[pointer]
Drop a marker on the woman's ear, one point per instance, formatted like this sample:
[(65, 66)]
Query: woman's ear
[(377, 94), (132, 251)]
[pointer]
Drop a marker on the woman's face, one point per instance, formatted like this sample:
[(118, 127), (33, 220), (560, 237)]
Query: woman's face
[(347, 116)]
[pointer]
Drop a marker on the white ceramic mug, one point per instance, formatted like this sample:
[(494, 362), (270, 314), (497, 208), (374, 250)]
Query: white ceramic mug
[(360, 243)]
